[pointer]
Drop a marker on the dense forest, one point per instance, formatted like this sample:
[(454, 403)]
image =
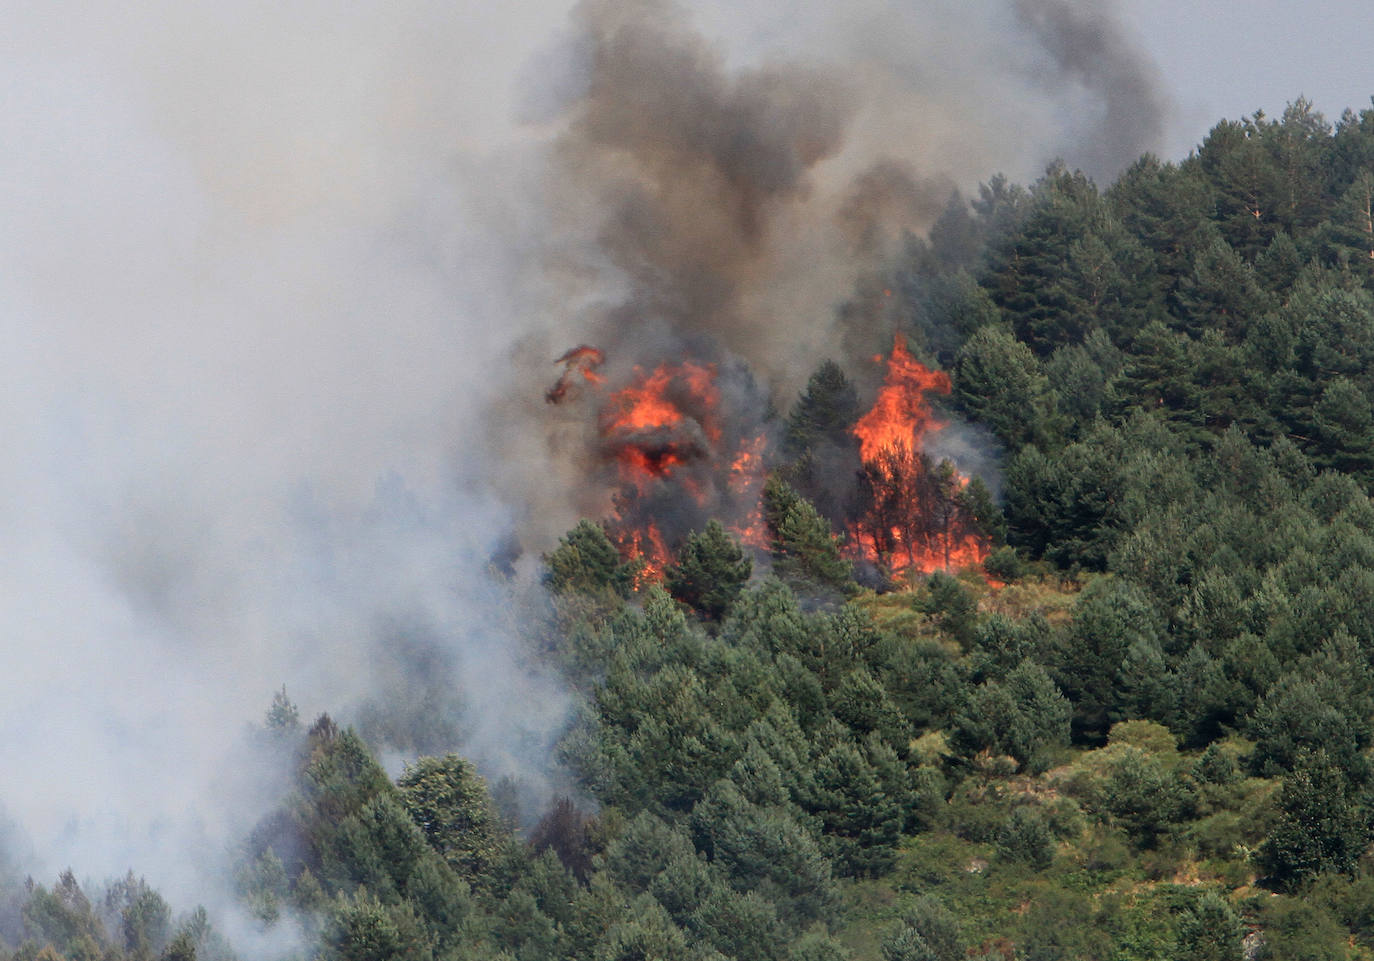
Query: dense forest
[(1142, 729)]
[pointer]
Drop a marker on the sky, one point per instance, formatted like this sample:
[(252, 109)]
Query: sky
[(1227, 59)]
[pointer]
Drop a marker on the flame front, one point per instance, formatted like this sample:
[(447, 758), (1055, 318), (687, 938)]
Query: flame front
[(680, 459), (662, 420), (900, 417), (913, 515)]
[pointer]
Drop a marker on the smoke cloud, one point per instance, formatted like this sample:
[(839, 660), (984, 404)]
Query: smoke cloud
[(281, 288), (720, 180), (1087, 47)]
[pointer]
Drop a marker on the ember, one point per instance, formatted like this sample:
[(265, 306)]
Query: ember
[(581, 360)]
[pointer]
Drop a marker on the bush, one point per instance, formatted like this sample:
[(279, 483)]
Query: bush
[(1005, 564), (1025, 837)]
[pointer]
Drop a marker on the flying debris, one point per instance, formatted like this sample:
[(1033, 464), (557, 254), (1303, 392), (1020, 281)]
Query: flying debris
[(580, 360)]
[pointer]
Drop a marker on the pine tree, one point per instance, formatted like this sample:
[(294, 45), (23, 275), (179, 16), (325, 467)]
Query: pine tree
[(586, 560), (448, 800), (710, 572), (803, 544)]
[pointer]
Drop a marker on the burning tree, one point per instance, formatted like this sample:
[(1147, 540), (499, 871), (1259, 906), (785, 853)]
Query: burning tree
[(681, 451), (912, 515), (680, 460), (910, 512)]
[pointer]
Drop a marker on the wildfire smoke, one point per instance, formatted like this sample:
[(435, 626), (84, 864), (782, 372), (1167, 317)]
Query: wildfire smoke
[(718, 212)]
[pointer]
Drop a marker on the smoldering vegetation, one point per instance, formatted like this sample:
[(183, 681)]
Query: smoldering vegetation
[(281, 290)]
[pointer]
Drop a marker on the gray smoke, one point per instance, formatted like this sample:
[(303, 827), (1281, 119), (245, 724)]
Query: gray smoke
[(720, 180), (280, 289), (255, 270), (1127, 112)]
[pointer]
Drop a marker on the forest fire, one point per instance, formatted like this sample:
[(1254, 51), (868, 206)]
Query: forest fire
[(677, 462), (900, 417), (681, 456), (914, 516), (646, 546), (662, 421)]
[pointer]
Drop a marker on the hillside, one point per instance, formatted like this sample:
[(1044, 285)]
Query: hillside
[(1138, 727)]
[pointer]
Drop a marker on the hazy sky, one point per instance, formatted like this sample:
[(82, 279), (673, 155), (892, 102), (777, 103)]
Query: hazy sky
[(1227, 58)]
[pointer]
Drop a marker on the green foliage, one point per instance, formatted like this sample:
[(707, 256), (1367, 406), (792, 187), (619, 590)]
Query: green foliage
[(144, 918), (1026, 838), (586, 560), (1292, 928), (283, 717), (953, 606), (1114, 626), (824, 413), (906, 944), (365, 929), (858, 795), (65, 919), (1005, 564), (1143, 796), (449, 802), (710, 572), (803, 544), (1023, 716), (998, 381), (1309, 712), (1216, 767), (1210, 930), (765, 849), (1322, 825)]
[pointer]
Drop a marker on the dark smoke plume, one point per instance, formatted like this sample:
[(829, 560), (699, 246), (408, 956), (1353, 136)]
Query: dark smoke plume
[(692, 166), (720, 207), (1087, 47)]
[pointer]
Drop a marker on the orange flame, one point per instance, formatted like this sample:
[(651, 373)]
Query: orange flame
[(915, 519), (901, 417), (746, 482), (659, 422), (657, 400), (665, 426), (664, 433), (646, 546)]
